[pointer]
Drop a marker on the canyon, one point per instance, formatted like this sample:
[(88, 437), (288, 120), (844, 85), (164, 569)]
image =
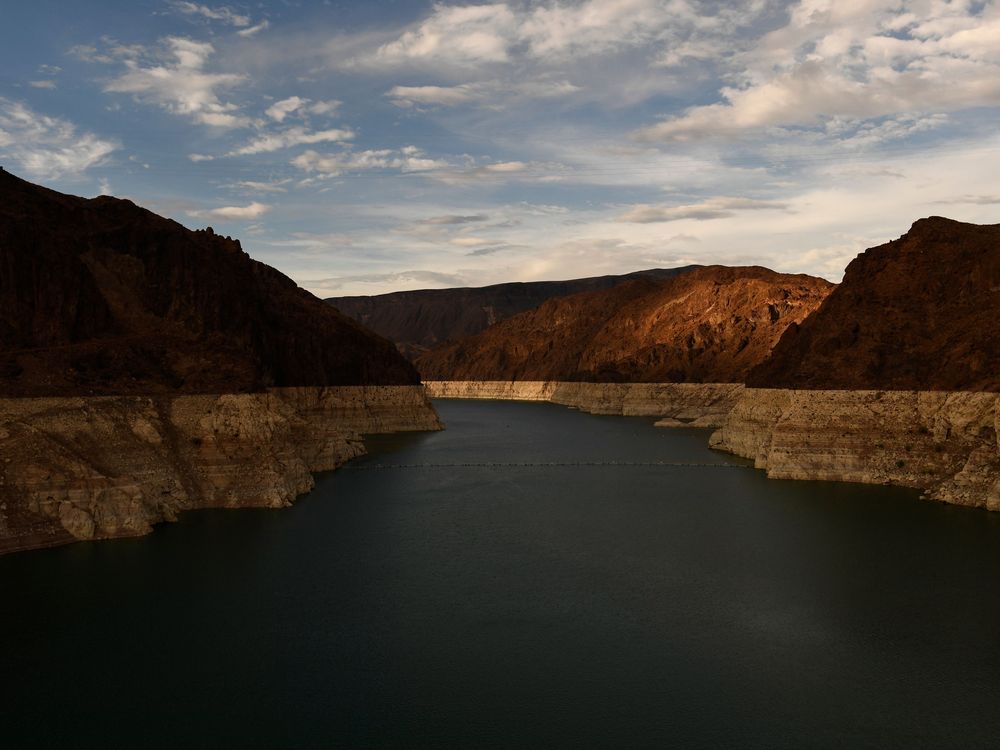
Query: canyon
[(710, 324), (422, 319)]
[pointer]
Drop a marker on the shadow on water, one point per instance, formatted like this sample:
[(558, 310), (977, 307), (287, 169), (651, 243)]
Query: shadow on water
[(525, 606)]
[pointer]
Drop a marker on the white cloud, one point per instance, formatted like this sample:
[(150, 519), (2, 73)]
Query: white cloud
[(253, 211), (224, 14), (44, 84), (281, 109), (491, 92), (290, 137), (48, 147), (104, 186), (853, 61), (254, 30), (200, 157), (278, 186), (713, 208), (407, 159), (180, 84)]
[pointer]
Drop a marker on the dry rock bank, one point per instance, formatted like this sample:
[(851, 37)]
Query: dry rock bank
[(944, 443), (102, 467), (678, 404)]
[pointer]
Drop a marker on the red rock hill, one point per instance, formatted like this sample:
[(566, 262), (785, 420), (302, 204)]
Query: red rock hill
[(711, 324), (918, 313), (103, 297)]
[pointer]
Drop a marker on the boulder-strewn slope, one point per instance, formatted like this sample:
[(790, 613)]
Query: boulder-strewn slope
[(711, 324), (103, 297), (419, 320), (918, 313)]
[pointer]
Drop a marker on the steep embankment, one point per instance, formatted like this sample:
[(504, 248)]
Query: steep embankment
[(103, 297), (111, 318), (709, 325), (894, 378), (422, 319)]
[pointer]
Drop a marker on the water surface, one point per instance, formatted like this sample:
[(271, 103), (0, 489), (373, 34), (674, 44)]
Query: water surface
[(558, 602)]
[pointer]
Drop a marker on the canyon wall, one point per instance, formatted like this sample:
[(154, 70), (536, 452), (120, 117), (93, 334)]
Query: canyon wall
[(678, 404), (103, 467), (944, 443)]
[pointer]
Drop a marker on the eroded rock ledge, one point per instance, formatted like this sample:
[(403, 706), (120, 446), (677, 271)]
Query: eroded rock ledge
[(102, 467), (678, 404), (944, 443)]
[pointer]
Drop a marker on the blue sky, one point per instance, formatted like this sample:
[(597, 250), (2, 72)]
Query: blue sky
[(368, 147)]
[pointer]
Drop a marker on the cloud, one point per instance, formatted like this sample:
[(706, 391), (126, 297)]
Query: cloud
[(48, 147), (200, 157), (281, 109), (394, 280), (853, 62), (224, 14), (407, 159), (42, 84), (253, 211), (454, 219), (488, 92), (978, 200), (713, 208), (104, 186), (277, 186), (254, 30), (296, 136), (180, 85)]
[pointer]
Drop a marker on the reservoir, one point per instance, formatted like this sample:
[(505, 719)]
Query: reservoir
[(531, 577)]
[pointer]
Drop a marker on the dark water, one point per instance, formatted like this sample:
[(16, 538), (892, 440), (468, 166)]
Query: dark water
[(523, 607)]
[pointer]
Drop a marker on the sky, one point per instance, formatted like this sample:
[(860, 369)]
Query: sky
[(368, 147)]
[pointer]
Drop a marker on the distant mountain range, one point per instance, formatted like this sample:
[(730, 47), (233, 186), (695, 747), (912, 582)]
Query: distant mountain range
[(103, 297), (420, 320), (709, 324)]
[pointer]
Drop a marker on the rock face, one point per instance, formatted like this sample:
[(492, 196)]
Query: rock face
[(918, 313), (942, 442), (101, 467), (677, 404), (103, 297), (419, 320), (709, 325)]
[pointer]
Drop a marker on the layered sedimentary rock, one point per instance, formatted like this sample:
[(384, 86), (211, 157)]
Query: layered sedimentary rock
[(419, 320), (101, 467), (709, 325), (917, 313), (102, 297), (677, 404), (942, 442)]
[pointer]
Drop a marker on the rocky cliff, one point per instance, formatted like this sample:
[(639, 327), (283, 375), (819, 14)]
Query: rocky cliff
[(942, 442), (676, 404), (101, 467), (146, 369), (711, 325), (103, 297), (422, 319), (918, 313)]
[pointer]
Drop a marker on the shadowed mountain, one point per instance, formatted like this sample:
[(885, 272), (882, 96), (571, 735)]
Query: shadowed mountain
[(917, 313), (101, 296), (711, 324), (422, 319)]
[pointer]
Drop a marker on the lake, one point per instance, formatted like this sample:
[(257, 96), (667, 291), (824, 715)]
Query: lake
[(532, 577)]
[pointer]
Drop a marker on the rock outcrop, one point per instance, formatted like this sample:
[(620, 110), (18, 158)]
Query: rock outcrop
[(101, 467), (918, 313), (676, 404), (942, 442), (422, 319), (709, 325), (101, 297)]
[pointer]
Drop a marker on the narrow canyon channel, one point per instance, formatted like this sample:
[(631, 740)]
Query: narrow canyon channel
[(530, 577)]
